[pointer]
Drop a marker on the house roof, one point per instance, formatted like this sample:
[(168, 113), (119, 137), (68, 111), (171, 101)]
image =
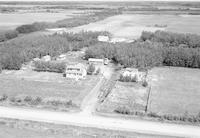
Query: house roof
[(95, 60)]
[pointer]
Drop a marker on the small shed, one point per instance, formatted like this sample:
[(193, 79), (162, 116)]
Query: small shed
[(96, 61), (46, 58), (61, 57), (103, 38)]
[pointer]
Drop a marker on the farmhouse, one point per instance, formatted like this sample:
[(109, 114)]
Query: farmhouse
[(133, 72), (76, 71)]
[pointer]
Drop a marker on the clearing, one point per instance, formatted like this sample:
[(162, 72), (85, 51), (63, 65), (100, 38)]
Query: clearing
[(45, 84), (130, 26), (175, 90)]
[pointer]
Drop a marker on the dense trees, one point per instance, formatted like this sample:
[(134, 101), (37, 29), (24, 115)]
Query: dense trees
[(140, 55), (37, 26), (152, 49), (147, 54), (6, 35), (49, 66), (170, 39), (23, 49)]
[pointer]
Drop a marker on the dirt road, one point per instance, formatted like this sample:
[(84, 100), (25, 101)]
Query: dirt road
[(86, 120)]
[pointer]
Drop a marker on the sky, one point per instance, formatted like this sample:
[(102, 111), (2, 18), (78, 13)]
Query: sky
[(99, 0)]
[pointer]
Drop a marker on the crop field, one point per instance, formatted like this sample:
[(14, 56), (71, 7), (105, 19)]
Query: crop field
[(130, 26), (10, 128), (130, 95), (45, 85), (175, 91)]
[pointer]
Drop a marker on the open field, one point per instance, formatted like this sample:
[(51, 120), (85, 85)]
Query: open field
[(175, 91), (45, 85), (10, 128), (130, 26), (131, 96), (12, 20)]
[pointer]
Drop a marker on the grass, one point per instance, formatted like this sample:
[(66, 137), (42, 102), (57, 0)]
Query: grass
[(175, 91), (10, 128), (45, 85), (130, 95)]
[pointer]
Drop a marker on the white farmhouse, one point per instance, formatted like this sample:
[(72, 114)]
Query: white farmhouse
[(76, 71)]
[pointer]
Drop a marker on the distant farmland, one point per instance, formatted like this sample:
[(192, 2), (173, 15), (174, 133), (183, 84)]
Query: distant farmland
[(131, 25)]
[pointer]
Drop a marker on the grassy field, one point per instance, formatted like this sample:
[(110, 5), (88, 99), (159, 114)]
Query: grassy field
[(26, 129), (130, 95), (175, 91), (130, 26), (45, 85)]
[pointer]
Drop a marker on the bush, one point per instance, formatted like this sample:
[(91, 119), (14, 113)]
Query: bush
[(50, 66), (36, 100), (122, 110), (3, 97), (145, 83), (28, 99), (90, 69), (98, 71)]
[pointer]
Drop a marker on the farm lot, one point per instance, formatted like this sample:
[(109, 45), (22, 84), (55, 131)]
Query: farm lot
[(175, 91), (132, 96), (45, 85)]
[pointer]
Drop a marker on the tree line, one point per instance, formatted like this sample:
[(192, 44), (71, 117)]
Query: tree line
[(170, 39), (23, 49), (146, 54)]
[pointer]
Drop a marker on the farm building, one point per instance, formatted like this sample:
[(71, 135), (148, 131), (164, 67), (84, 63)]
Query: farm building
[(61, 57), (102, 38), (76, 71), (46, 58), (133, 72), (96, 61)]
